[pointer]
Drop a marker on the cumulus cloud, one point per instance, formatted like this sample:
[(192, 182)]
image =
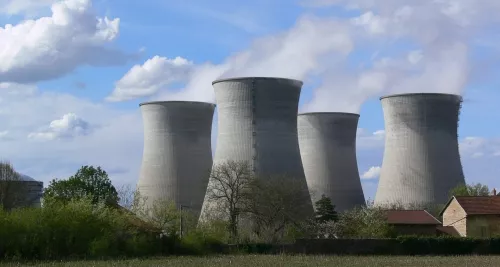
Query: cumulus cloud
[(15, 7), (407, 58), (477, 147), (49, 47), (113, 144), (297, 53), (69, 126), (372, 173), (147, 79), (366, 140)]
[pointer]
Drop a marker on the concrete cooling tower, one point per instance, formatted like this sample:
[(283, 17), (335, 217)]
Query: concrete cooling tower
[(328, 148), (257, 124), (177, 155), (421, 159)]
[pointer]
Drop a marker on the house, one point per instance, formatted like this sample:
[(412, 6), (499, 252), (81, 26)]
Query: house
[(473, 216), (412, 222)]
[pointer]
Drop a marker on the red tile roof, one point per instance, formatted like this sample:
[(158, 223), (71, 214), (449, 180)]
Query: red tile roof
[(476, 205), (411, 217)]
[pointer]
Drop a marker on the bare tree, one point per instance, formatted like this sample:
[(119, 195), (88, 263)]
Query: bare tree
[(13, 191), (276, 203), (228, 190)]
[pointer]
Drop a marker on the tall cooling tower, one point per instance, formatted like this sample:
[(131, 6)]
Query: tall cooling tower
[(421, 159), (177, 155), (257, 124), (328, 148)]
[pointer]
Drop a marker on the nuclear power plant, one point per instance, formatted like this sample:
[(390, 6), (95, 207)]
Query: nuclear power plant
[(177, 155), (421, 162), (328, 148), (257, 124)]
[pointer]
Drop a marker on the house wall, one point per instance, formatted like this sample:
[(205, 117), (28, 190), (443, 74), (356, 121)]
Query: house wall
[(455, 216), (483, 226), (422, 230)]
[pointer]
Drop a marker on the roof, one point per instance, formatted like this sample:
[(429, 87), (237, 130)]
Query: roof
[(478, 205), (411, 217)]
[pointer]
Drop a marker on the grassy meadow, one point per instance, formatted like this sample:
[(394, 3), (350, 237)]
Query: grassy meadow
[(282, 260)]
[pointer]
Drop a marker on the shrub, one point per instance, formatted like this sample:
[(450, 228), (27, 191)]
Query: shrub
[(75, 229)]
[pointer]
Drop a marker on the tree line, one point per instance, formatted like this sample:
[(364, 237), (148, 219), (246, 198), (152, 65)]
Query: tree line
[(248, 209)]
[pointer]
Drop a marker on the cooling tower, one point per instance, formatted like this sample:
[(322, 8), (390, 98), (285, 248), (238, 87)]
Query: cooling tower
[(257, 124), (328, 148), (177, 155), (24, 191), (421, 159)]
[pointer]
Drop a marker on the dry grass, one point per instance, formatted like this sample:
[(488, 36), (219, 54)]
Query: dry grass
[(282, 260)]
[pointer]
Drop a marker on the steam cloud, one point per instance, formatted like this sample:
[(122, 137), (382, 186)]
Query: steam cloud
[(390, 46)]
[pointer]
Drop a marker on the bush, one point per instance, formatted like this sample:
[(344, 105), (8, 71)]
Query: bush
[(77, 229), (412, 245)]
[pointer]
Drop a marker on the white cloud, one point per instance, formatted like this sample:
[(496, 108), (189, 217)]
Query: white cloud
[(366, 140), (147, 79), (478, 147), (112, 144), (70, 125), (319, 41), (49, 47), (372, 173), (14, 7)]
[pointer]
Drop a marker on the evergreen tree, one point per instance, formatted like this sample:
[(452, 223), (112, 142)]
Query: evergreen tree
[(325, 210)]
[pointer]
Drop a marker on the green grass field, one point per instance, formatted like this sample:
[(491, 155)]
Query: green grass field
[(265, 260)]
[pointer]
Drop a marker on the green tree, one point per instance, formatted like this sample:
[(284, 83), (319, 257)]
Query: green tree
[(363, 222), (325, 210), (470, 190), (88, 182)]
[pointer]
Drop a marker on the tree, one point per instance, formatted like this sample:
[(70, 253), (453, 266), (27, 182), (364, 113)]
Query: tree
[(325, 211), (88, 182), (278, 203), (363, 222), (227, 191), (13, 190), (470, 190)]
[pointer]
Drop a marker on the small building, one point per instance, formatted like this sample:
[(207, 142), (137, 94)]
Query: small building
[(412, 222), (473, 216)]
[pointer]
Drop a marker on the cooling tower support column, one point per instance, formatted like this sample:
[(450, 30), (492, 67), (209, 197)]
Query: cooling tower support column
[(177, 156), (421, 159), (257, 124), (328, 149)]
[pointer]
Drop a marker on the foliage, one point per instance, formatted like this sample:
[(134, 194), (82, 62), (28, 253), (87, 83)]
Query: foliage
[(227, 189), (412, 245), (278, 205), (325, 210), (363, 222), (12, 189), (75, 229), (87, 182), (470, 190)]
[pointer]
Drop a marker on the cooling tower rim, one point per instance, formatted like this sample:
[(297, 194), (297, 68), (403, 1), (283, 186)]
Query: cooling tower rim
[(177, 101), (421, 94), (259, 78), (329, 113)]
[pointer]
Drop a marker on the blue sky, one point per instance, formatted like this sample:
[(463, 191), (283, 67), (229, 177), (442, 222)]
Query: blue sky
[(73, 72)]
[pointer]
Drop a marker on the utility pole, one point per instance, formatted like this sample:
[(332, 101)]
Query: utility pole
[(180, 220)]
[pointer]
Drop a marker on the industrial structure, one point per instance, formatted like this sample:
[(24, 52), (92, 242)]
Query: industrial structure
[(421, 161), (257, 124), (328, 149), (33, 191), (177, 155)]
